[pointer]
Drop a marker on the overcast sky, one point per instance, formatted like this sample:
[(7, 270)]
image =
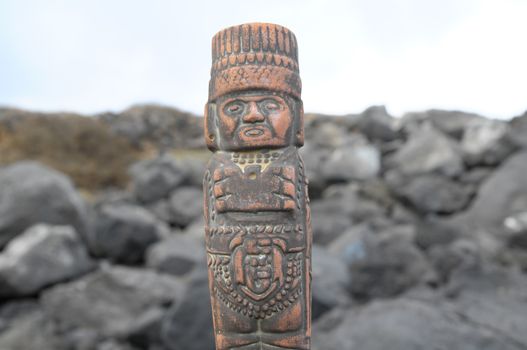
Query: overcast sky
[(91, 56)]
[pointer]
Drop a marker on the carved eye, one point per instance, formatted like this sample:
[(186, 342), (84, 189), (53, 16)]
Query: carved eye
[(269, 105), (234, 108)]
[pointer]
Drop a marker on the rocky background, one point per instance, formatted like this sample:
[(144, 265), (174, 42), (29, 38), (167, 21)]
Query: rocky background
[(420, 231)]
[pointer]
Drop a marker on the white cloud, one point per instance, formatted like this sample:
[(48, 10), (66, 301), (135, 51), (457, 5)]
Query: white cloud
[(90, 56)]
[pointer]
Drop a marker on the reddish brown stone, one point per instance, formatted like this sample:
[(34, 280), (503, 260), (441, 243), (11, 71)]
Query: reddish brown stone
[(257, 218)]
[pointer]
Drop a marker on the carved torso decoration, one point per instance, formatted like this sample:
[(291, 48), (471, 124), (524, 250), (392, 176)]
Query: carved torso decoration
[(257, 229)]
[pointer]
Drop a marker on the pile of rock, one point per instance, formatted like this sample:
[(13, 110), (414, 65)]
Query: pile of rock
[(420, 242)]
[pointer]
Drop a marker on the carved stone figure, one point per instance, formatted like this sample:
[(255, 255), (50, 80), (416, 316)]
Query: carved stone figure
[(257, 218)]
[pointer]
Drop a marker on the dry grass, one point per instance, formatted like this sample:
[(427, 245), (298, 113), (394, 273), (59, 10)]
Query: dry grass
[(83, 148)]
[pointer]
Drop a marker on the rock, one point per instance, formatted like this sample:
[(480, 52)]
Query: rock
[(409, 324), (460, 254), (113, 345), (155, 179), (433, 231), (10, 311), (358, 160), (353, 201), (196, 230), (327, 133), (185, 205), (431, 193), (31, 194), (451, 123), (502, 194), (42, 256), (388, 267), (340, 206), (475, 176), (30, 330), (377, 125), (331, 281), (517, 226), (314, 159), (161, 126), (176, 255), (518, 130), (327, 226), (123, 233), (188, 324), (349, 246), (194, 170), (492, 298), (161, 210), (485, 142), (426, 151), (113, 302)]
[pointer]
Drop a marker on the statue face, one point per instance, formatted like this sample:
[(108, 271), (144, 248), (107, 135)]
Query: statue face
[(254, 121)]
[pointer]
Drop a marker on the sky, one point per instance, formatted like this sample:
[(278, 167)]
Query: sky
[(91, 56)]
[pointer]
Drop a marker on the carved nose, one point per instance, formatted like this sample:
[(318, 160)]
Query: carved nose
[(254, 115)]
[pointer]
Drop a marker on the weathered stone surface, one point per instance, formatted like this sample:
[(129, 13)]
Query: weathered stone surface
[(358, 160), (408, 324), (387, 267), (32, 193), (340, 207), (193, 169), (155, 179), (314, 158), (30, 330), (518, 130), (349, 246), (41, 256), (427, 150), (185, 205), (501, 195), (486, 142), (376, 124), (431, 193), (123, 232), (111, 302), (492, 298), (452, 123), (460, 254), (10, 311), (328, 226), (188, 324), (176, 255), (331, 280), (165, 127)]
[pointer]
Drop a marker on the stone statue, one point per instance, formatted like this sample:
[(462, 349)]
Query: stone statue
[(257, 218)]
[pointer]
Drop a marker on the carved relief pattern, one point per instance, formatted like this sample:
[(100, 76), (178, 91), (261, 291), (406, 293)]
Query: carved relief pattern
[(257, 229)]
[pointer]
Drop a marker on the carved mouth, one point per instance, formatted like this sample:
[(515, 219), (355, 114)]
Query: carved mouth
[(253, 132)]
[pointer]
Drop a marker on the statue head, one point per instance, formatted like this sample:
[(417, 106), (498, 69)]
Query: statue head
[(254, 92)]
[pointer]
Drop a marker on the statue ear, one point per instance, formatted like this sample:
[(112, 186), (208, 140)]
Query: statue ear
[(209, 128), (299, 124)]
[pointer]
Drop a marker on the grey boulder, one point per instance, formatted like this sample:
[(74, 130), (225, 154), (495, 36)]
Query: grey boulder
[(388, 266), (431, 193), (155, 179), (357, 160), (176, 255), (331, 280), (427, 150), (185, 205), (32, 193), (42, 256), (486, 142), (123, 232), (407, 324), (188, 324), (113, 302)]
